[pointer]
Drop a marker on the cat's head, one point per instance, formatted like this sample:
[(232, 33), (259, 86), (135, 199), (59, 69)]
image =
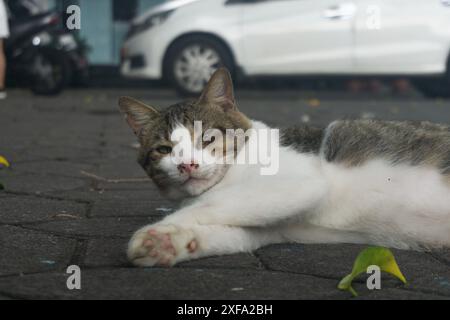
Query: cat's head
[(179, 172)]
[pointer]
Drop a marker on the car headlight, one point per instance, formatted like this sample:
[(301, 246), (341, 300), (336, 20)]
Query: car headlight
[(149, 22)]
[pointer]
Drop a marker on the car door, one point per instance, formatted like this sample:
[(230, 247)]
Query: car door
[(401, 36), (297, 36)]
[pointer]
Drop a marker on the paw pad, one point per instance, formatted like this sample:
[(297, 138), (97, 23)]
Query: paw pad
[(161, 245)]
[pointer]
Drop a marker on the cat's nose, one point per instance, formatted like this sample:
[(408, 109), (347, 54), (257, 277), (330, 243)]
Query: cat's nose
[(187, 167)]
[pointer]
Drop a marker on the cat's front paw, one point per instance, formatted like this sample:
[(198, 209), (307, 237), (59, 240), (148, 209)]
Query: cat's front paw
[(162, 245)]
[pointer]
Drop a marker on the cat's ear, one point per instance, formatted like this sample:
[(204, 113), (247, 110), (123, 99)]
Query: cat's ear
[(136, 113), (219, 90)]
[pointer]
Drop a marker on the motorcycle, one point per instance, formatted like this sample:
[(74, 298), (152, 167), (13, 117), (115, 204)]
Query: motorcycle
[(42, 55)]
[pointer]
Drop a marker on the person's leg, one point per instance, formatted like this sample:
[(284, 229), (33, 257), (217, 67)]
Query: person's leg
[(2, 66)]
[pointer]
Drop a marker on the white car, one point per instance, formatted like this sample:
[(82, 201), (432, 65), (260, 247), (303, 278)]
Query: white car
[(184, 41)]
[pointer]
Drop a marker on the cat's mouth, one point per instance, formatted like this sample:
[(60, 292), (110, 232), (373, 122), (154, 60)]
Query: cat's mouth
[(192, 179)]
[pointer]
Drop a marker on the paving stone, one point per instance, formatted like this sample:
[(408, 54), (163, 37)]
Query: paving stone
[(398, 294), (117, 151), (437, 283), (69, 128), (99, 228), (106, 253), (27, 251), (234, 261), (333, 261), (120, 283), (117, 195), (418, 264), (443, 255), (39, 183), (58, 152), (125, 167), (144, 207), (140, 185), (21, 209), (336, 261), (13, 153), (81, 131), (62, 168), (85, 146)]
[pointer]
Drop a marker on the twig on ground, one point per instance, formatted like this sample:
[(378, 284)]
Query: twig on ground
[(124, 180)]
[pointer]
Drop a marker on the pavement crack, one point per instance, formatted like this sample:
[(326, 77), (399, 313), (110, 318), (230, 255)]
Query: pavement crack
[(12, 296), (261, 263), (79, 253), (65, 235), (438, 258), (89, 207), (268, 268), (425, 291), (45, 196)]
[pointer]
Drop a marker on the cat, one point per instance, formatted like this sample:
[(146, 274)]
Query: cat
[(356, 181)]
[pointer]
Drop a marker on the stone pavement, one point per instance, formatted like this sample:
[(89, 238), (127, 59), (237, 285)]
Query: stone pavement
[(53, 216)]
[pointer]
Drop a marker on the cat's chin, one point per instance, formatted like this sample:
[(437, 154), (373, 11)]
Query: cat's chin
[(196, 186), (192, 187)]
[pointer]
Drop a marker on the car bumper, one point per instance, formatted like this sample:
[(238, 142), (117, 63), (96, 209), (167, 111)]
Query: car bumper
[(142, 57)]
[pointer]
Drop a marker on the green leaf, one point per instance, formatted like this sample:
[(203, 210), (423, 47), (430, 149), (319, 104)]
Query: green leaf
[(381, 257)]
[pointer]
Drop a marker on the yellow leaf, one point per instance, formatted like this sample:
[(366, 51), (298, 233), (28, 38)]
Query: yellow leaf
[(313, 102), (4, 162), (392, 268), (378, 256)]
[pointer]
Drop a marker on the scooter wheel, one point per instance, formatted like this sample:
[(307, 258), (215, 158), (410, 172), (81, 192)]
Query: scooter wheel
[(51, 72)]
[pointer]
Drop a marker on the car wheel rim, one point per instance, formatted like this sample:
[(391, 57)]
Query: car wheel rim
[(195, 65)]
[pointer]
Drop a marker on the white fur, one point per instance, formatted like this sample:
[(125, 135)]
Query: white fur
[(312, 201)]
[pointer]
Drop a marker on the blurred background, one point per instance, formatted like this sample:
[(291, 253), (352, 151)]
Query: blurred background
[(389, 47)]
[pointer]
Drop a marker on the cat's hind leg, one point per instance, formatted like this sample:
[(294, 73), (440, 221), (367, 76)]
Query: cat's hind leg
[(168, 244)]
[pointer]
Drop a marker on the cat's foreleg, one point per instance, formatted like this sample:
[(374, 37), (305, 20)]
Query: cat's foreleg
[(254, 206), (167, 244)]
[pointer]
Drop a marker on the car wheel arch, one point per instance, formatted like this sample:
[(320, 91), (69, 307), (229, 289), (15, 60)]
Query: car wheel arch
[(207, 35)]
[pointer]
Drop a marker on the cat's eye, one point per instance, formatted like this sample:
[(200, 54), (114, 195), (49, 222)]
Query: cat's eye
[(208, 140), (164, 149)]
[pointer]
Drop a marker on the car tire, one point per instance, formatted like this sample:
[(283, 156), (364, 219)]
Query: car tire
[(191, 60), (51, 72), (436, 87)]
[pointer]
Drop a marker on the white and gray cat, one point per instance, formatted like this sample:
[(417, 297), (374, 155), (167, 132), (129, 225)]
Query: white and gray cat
[(362, 181)]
